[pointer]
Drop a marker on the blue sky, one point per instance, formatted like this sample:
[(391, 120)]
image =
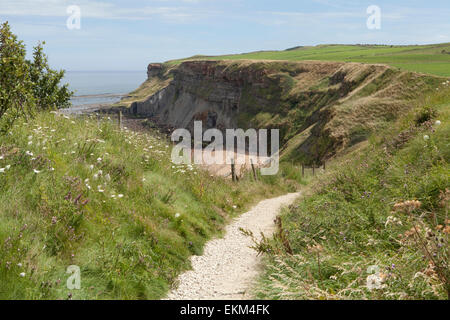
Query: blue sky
[(128, 34)]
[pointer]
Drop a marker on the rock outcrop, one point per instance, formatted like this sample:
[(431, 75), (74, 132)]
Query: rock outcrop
[(154, 69)]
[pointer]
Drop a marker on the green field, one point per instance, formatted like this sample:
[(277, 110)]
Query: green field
[(432, 59)]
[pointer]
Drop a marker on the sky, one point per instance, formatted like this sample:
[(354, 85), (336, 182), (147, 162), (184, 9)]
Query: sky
[(129, 34)]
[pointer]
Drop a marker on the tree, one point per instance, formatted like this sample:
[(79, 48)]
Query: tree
[(27, 86), (15, 84), (46, 89)]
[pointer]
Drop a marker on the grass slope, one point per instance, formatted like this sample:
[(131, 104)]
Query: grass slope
[(432, 59), (80, 192), (357, 216)]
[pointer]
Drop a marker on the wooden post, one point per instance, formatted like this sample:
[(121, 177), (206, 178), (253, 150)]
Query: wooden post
[(324, 168), (303, 170), (120, 120), (233, 170), (314, 169), (254, 170)]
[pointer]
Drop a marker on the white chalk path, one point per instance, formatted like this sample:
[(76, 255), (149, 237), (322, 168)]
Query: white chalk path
[(228, 267)]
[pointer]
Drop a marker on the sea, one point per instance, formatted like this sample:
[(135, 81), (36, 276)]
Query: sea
[(102, 87)]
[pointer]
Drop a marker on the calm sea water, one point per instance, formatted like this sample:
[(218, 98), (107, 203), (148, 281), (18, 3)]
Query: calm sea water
[(102, 87)]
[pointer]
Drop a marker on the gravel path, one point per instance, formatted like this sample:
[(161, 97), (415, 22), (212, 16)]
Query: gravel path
[(228, 266)]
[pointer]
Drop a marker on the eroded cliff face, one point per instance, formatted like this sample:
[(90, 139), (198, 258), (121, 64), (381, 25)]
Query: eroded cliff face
[(319, 107)]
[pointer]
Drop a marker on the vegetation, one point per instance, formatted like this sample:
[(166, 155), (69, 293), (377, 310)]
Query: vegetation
[(26, 86), (81, 192), (432, 59), (376, 226)]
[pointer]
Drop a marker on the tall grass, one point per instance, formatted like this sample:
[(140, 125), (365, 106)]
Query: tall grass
[(376, 226), (77, 191)]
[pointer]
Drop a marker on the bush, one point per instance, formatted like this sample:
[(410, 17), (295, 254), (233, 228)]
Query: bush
[(26, 86), (424, 114)]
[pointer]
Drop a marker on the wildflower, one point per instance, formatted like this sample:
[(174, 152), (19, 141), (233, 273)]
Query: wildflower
[(99, 159), (19, 265), (1, 158), (2, 170), (373, 282), (438, 123), (91, 167), (108, 177), (36, 171), (54, 220), (22, 274), (426, 137), (177, 215), (28, 153), (120, 195), (8, 167)]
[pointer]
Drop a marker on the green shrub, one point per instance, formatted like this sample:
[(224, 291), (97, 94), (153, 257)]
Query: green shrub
[(26, 86)]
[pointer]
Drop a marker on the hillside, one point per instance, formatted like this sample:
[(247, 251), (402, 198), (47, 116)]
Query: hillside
[(431, 59), (77, 191), (376, 225), (321, 108)]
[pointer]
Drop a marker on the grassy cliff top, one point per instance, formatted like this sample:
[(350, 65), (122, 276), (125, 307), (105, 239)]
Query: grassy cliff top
[(432, 59)]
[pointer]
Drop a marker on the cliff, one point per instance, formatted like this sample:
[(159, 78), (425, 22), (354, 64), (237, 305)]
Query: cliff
[(320, 108)]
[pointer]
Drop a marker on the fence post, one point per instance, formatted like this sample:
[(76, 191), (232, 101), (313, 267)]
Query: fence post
[(324, 167), (254, 170), (303, 170), (233, 170), (120, 119), (314, 169)]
